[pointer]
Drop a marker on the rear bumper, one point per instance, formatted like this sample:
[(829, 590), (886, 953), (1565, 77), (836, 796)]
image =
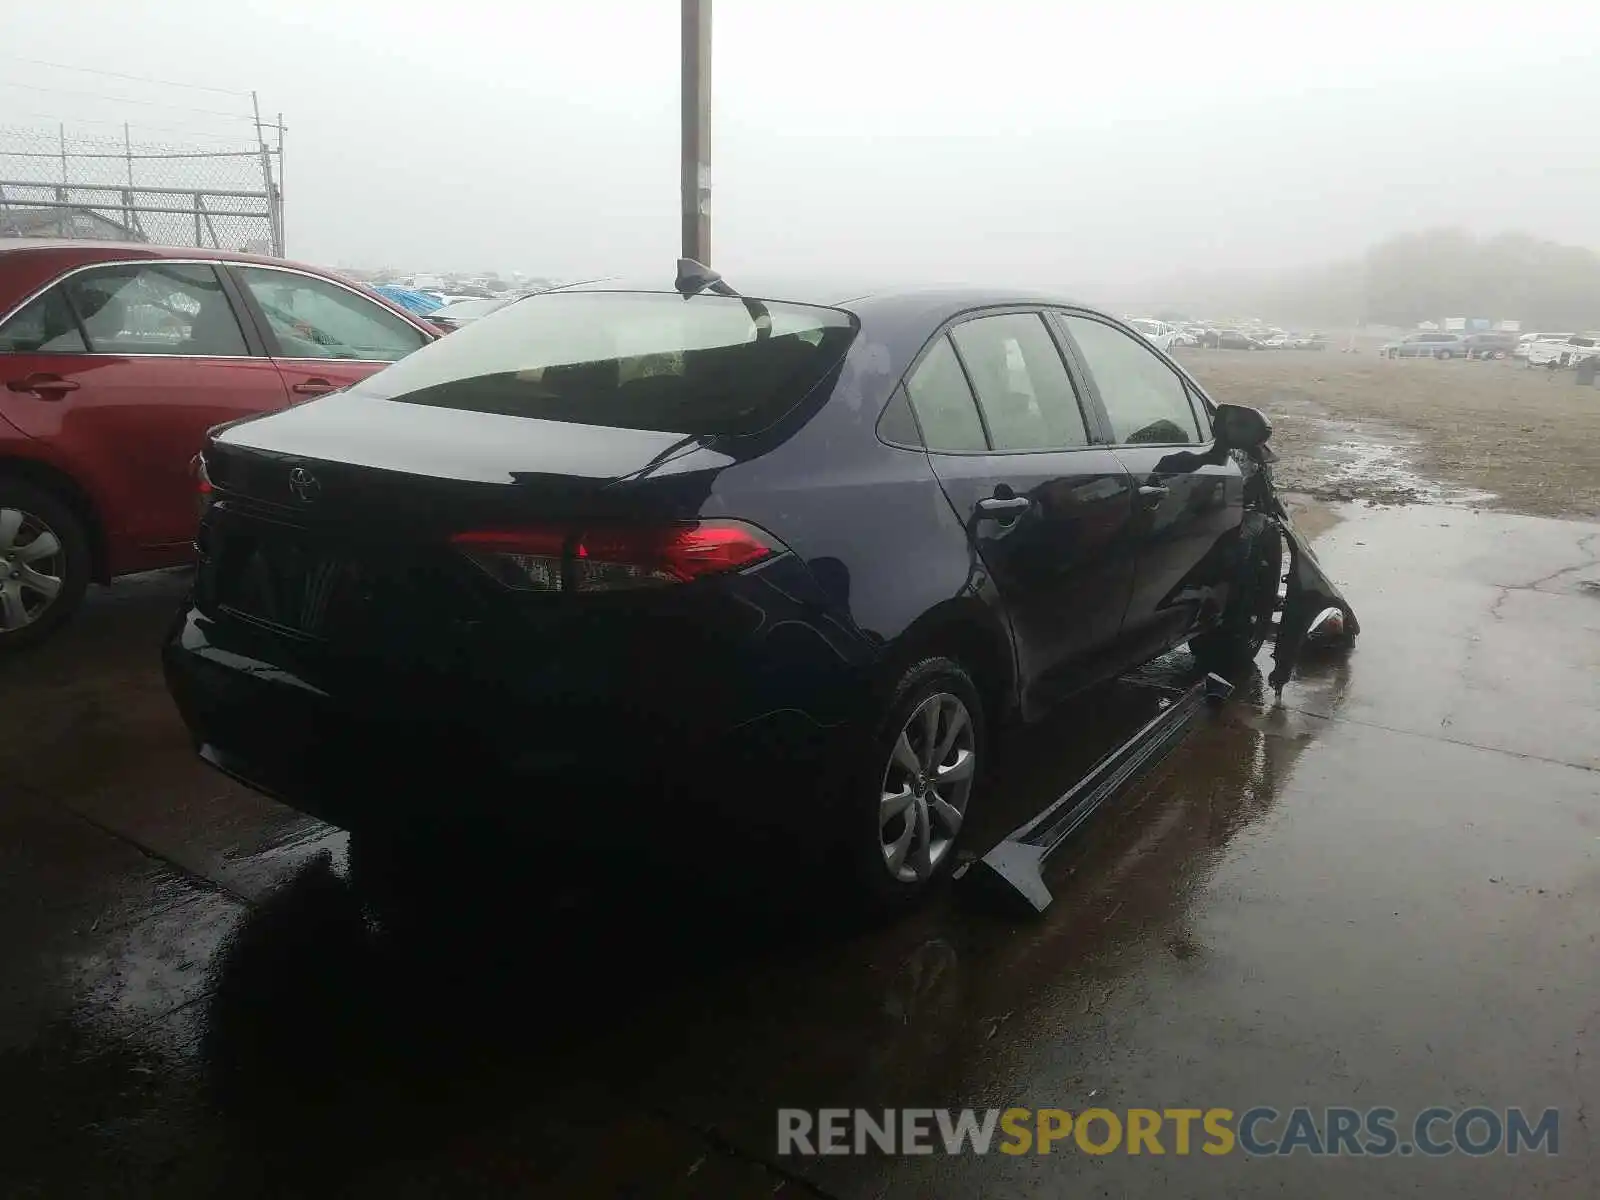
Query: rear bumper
[(361, 747)]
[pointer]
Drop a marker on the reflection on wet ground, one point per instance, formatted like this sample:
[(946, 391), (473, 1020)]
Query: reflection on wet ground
[(1383, 893)]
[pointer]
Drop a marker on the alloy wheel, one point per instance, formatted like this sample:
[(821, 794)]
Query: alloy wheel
[(926, 785), (32, 567)]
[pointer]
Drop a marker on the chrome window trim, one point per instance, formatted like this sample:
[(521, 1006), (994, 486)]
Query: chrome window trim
[(356, 292), (355, 362), (125, 262)]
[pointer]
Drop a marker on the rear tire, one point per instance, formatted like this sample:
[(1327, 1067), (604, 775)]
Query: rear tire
[(1446, 355), (907, 795), (44, 564), (1245, 622)]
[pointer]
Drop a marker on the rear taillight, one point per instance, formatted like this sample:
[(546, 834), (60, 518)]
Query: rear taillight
[(609, 559)]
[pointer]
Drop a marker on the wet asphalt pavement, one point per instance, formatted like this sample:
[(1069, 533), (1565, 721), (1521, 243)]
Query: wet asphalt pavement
[(1385, 893)]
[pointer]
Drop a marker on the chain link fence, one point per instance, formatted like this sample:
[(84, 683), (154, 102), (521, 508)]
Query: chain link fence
[(56, 184)]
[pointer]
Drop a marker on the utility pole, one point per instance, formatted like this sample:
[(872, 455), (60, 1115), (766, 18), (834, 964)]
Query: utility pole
[(128, 218), (275, 232), (696, 165), (277, 193)]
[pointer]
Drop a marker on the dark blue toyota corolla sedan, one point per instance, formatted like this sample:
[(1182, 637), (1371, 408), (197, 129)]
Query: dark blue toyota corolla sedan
[(723, 543)]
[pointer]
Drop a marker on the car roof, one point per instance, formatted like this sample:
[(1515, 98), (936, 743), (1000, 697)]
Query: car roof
[(97, 251), (853, 296)]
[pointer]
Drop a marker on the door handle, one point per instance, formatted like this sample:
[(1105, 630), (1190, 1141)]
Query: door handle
[(999, 506), (46, 387), (312, 387), (1151, 494)]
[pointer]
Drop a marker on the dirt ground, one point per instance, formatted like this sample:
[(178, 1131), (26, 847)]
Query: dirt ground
[(1357, 427)]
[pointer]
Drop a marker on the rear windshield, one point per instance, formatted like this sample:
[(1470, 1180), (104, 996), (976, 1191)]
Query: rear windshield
[(633, 360)]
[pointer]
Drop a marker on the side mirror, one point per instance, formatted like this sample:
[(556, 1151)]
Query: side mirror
[(1240, 428)]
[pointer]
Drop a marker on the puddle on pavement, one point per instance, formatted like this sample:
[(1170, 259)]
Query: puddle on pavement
[(1366, 461)]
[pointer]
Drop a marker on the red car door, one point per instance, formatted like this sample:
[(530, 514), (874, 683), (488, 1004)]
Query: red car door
[(122, 368), (325, 334)]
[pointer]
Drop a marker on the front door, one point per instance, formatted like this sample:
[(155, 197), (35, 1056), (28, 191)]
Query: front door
[(1189, 497), (123, 368), (324, 335), (1048, 513)]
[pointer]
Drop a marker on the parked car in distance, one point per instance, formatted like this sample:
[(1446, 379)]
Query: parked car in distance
[(418, 304), (1520, 350), (1489, 345), (1234, 339), (663, 536), (1295, 341), (1426, 345), (1158, 333), (1568, 352), (457, 313), (115, 358)]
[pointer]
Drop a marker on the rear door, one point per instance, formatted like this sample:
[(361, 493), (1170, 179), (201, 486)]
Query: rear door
[(323, 334), (1189, 498), (123, 367), (1048, 511)]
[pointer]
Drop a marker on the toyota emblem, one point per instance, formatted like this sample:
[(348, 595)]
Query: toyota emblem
[(304, 485)]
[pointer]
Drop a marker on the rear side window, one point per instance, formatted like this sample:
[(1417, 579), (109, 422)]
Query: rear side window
[(897, 426), (1022, 384), (632, 360), (43, 326), (155, 308), (943, 402)]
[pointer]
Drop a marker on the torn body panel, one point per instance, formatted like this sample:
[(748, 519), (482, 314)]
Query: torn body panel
[(1315, 612)]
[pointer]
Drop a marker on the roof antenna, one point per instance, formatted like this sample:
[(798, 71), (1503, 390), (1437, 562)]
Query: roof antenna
[(695, 277)]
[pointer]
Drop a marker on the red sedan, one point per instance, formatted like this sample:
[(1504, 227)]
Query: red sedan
[(115, 359)]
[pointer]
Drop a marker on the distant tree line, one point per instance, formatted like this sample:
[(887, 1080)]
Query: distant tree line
[(1445, 272), (1414, 277)]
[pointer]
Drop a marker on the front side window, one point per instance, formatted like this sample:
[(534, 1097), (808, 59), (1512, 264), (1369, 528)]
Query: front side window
[(45, 325), (943, 403), (1202, 414), (1145, 398), (314, 318), (1022, 384), (155, 307)]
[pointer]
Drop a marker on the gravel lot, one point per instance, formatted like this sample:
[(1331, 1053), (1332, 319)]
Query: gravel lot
[(1357, 427)]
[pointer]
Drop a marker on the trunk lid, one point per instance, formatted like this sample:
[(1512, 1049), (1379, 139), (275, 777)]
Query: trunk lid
[(330, 525), (354, 462)]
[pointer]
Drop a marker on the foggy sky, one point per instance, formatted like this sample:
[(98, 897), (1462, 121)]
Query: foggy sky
[(1033, 143)]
